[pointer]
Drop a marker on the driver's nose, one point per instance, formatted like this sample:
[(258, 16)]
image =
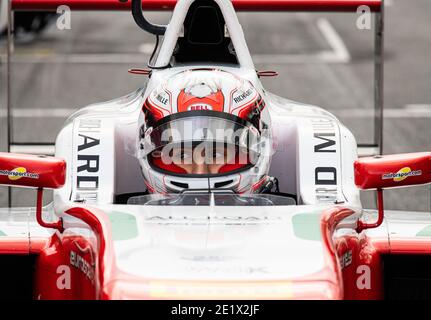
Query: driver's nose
[(202, 168), (200, 165)]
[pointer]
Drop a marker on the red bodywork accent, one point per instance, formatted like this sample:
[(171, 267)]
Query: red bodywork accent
[(95, 258), (14, 245), (39, 171), (366, 266), (267, 73), (100, 225), (374, 172), (55, 225), (329, 224), (138, 71), (66, 269), (240, 5), (380, 204)]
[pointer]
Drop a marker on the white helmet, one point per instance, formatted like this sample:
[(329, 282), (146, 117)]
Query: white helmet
[(205, 129)]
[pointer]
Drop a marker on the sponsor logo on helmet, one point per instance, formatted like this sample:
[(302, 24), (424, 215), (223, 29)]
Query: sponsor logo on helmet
[(242, 96), (402, 174), (162, 99), (202, 106), (18, 173)]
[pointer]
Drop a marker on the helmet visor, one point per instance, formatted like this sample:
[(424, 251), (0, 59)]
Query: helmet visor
[(202, 144)]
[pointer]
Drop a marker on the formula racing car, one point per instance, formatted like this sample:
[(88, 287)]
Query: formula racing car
[(201, 184)]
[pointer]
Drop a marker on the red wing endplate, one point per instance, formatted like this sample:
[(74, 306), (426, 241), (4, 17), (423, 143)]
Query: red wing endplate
[(240, 5)]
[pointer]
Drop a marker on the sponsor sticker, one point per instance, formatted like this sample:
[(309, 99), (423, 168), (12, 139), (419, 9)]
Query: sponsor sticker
[(346, 259), (402, 174), (18, 173), (199, 107), (82, 265), (243, 95)]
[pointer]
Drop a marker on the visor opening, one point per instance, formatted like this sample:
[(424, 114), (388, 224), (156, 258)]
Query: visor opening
[(180, 184), (222, 184)]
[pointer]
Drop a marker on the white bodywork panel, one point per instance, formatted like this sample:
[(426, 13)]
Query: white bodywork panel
[(218, 243)]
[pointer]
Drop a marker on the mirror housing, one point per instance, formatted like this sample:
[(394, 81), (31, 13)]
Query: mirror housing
[(392, 171), (32, 171)]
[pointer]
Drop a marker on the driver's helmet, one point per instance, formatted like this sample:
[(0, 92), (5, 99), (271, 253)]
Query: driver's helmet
[(204, 129)]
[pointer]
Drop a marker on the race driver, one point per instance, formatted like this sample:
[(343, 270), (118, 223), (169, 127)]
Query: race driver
[(205, 129)]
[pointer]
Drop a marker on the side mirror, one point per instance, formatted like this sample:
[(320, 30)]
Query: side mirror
[(33, 172), (392, 171), (383, 172)]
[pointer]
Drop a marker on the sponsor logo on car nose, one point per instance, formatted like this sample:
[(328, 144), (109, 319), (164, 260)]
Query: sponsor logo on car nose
[(402, 174)]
